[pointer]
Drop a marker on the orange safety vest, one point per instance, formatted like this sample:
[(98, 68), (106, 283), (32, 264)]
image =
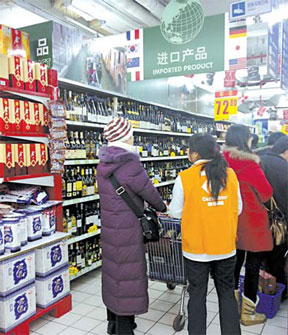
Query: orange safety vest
[(208, 227)]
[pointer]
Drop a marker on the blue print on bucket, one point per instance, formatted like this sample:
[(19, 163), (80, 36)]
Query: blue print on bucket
[(36, 225), (19, 271), (56, 255), (20, 306), (8, 235), (57, 286), (1, 238)]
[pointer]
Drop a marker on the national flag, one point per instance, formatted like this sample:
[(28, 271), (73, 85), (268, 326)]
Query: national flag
[(133, 62), (237, 53), (240, 31), (135, 59)]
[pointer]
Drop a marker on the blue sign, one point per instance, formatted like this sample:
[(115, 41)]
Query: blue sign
[(284, 67), (243, 9), (273, 50), (238, 9)]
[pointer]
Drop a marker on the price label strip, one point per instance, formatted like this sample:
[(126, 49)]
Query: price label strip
[(225, 104)]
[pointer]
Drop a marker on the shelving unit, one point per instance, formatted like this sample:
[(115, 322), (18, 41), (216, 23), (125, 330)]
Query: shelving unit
[(44, 179), (83, 237), (80, 200), (94, 266), (35, 137), (35, 96), (165, 183)]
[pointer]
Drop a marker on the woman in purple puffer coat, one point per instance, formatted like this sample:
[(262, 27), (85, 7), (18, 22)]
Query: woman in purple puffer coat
[(124, 277)]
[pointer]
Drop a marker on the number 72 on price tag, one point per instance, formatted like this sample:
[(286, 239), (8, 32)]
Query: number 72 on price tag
[(224, 107)]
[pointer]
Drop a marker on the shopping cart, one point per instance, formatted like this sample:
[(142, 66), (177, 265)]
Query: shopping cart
[(166, 263)]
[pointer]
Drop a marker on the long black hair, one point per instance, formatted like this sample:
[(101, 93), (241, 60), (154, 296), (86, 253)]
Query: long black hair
[(238, 136), (216, 169)]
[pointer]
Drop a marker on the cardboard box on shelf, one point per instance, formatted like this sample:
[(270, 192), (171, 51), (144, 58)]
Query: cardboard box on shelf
[(37, 117), (51, 258), (7, 163), (17, 46), (17, 307), (20, 159), (41, 77), (17, 272), (29, 75), (4, 74), (42, 157), (18, 115), (6, 115), (26, 44), (26, 112), (16, 72), (53, 287), (5, 39)]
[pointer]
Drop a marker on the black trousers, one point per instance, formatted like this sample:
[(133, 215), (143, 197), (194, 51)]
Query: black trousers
[(120, 325), (223, 275), (253, 263)]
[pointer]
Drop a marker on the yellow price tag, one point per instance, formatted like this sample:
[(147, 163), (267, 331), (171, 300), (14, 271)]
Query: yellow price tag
[(224, 107), (172, 154), (189, 130), (156, 181)]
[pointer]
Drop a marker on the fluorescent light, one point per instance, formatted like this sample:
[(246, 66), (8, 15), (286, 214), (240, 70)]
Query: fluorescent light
[(81, 13), (81, 25)]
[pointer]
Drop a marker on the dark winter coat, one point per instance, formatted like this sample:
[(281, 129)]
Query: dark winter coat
[(263, 150), (276, 170), (124, 274), (253, 227)]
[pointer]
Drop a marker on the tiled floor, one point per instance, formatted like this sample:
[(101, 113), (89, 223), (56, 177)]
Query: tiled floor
[(89, 314)]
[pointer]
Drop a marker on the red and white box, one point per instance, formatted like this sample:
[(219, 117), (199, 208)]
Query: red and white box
[(16, 72)]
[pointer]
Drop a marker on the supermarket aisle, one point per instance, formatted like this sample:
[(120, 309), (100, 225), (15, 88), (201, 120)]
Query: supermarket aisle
[(89, 313)]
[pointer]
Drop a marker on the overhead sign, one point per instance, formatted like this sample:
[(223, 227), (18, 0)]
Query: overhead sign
[(158, 58), (273, 50), (225, 104), (284, 66), (230, 79), (242, 9)]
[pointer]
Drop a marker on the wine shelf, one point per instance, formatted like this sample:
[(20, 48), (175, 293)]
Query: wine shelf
[(84, 237), (44, 179), (136, 130), (94, 266), (80, 200), (96, 161), (165, 183)]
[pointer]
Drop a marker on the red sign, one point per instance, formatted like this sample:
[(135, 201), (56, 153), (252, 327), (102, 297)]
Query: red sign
[(230, 79)]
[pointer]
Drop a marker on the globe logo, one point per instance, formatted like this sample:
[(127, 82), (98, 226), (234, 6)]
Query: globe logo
[(182, 21)]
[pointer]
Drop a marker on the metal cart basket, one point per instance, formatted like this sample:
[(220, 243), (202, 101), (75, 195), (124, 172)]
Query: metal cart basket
[(166, 263)]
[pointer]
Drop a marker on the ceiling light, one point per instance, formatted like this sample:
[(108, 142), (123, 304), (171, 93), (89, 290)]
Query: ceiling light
[(82, 26)]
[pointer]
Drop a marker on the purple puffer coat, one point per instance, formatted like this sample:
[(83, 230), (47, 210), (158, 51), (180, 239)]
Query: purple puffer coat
[(124, 278)]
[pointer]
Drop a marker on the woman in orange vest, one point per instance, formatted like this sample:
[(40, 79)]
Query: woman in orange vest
[(207, 198)]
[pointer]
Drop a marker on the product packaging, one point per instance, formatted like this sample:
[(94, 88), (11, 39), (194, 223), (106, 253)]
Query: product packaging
[(4, 74), (5, 40), (6, 115), (38, 118), (17, 307), (52, 78), (29, 75), (51, 258), (26, 44), (23, 226), (42, 157), (17, 47), (7, 163), (49, 218), (41, 77), (34, 222), (16, 72), (20, 154), (12, 234), (267, 283), (53, 287), (45, 119), (18, 115), (16, 272)]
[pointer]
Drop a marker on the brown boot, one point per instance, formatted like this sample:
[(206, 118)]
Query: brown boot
[(249, 317), (237, 297)]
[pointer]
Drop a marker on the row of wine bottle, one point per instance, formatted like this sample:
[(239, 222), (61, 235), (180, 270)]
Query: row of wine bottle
[(79, 218), (82, 107), (84, 254)]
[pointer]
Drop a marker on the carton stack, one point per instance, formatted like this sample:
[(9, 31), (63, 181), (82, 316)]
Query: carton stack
[(52, 274), (17, 290)]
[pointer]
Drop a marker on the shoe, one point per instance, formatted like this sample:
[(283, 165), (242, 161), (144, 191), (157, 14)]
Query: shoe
[(111, 329), (237, 297), (249, 317)]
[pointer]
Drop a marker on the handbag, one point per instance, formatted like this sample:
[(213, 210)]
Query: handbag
[(278, 223), (148, 218)]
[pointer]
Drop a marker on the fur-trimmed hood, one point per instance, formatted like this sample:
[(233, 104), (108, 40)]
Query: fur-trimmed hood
[(235, 153)]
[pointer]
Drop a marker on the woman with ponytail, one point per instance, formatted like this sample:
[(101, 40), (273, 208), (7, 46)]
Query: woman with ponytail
[(207, 198)]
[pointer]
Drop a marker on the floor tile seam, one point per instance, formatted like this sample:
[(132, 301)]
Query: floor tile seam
[(55, 320)]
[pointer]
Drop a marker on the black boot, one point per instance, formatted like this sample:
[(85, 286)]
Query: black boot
[(125, 325), (111, 329)]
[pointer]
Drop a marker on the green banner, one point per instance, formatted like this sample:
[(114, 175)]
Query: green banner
[(204, 54), (41, 42)]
